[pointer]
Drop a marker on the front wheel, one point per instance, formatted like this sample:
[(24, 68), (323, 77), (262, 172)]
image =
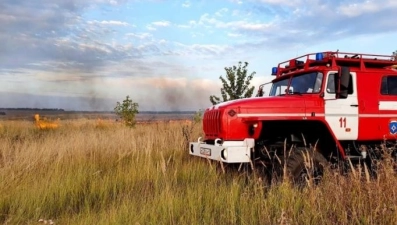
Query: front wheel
[(305, 166)]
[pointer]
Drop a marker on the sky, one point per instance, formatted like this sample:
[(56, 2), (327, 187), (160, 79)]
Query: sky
[(168, 55)]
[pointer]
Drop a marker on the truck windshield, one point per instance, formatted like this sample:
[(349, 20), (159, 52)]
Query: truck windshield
[(300, 84)]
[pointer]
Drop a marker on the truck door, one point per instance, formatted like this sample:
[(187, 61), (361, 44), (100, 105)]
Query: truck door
[(342, 114), (387, 121)]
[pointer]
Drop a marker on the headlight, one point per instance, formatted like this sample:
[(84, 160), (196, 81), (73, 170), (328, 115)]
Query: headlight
[(224, 154)]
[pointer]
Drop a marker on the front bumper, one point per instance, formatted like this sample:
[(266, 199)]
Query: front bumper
[(228, 151)]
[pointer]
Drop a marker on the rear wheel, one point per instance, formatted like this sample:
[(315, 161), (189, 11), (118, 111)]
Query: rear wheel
[(305, 166)]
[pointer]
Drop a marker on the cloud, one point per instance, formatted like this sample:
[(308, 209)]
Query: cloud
[(110, 22), (356, 9), (221, 12), (141, 36), (186, 4), (282, 24), (154, 25), (47, 30), (53, 36), (237, 1), (162, 23), (233, 35), (291, 3), (190, 24)]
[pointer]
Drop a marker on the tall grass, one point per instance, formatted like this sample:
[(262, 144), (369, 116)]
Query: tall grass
[(90, 173)]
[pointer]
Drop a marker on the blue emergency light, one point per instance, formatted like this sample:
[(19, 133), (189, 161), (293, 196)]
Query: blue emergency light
[(274, 71), (319, 56)]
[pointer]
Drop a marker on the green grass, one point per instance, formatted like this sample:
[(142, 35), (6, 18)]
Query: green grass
[(83, 173)]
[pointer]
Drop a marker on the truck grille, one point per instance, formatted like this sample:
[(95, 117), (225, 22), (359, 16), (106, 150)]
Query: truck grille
[(212, 123)]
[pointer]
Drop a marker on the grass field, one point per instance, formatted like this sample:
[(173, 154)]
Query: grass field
[(87, 172)]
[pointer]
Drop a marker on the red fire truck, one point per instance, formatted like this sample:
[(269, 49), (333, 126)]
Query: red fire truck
[(331, 105)]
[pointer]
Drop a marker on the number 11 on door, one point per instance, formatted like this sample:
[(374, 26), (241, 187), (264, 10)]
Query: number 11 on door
[(342, 122)]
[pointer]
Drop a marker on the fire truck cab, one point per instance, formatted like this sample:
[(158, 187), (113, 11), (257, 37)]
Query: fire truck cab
[(333, 105)]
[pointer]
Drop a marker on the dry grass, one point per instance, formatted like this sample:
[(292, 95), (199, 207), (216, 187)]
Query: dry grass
[(92, 172)]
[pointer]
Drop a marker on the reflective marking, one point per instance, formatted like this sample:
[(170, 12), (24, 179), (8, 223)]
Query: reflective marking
[(341, 115), (269, 114), (377, 115), (316, 115), (387, 105)]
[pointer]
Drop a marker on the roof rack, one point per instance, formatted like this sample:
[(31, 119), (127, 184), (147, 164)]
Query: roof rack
[(334, 59)]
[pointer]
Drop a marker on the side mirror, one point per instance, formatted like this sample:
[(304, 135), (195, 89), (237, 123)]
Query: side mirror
[(342, 82), (264, 89), (260, 91)]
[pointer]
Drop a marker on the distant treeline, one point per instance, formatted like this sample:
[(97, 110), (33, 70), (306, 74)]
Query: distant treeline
[(75, 111), (167, 112), (33, 109), (141, 112)]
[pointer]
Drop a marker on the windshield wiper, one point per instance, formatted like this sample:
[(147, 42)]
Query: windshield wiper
[(291, 93), (296, 92)]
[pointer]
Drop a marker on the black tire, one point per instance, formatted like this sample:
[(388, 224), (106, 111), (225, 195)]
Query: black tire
[(299, 173)]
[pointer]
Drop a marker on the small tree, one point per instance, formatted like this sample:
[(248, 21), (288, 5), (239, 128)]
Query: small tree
[(127, 111), (238, 86), (395, 55)]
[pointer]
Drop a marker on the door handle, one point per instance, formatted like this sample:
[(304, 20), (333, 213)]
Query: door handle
[(354, 105)]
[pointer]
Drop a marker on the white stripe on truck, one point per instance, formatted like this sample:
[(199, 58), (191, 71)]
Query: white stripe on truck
[(387, 105)]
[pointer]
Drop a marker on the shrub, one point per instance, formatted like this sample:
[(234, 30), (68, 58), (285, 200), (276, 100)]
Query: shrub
[(127, 111)]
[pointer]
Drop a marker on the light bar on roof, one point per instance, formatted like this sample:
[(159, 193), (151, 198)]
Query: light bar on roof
[(319, 56), (274, 70)]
